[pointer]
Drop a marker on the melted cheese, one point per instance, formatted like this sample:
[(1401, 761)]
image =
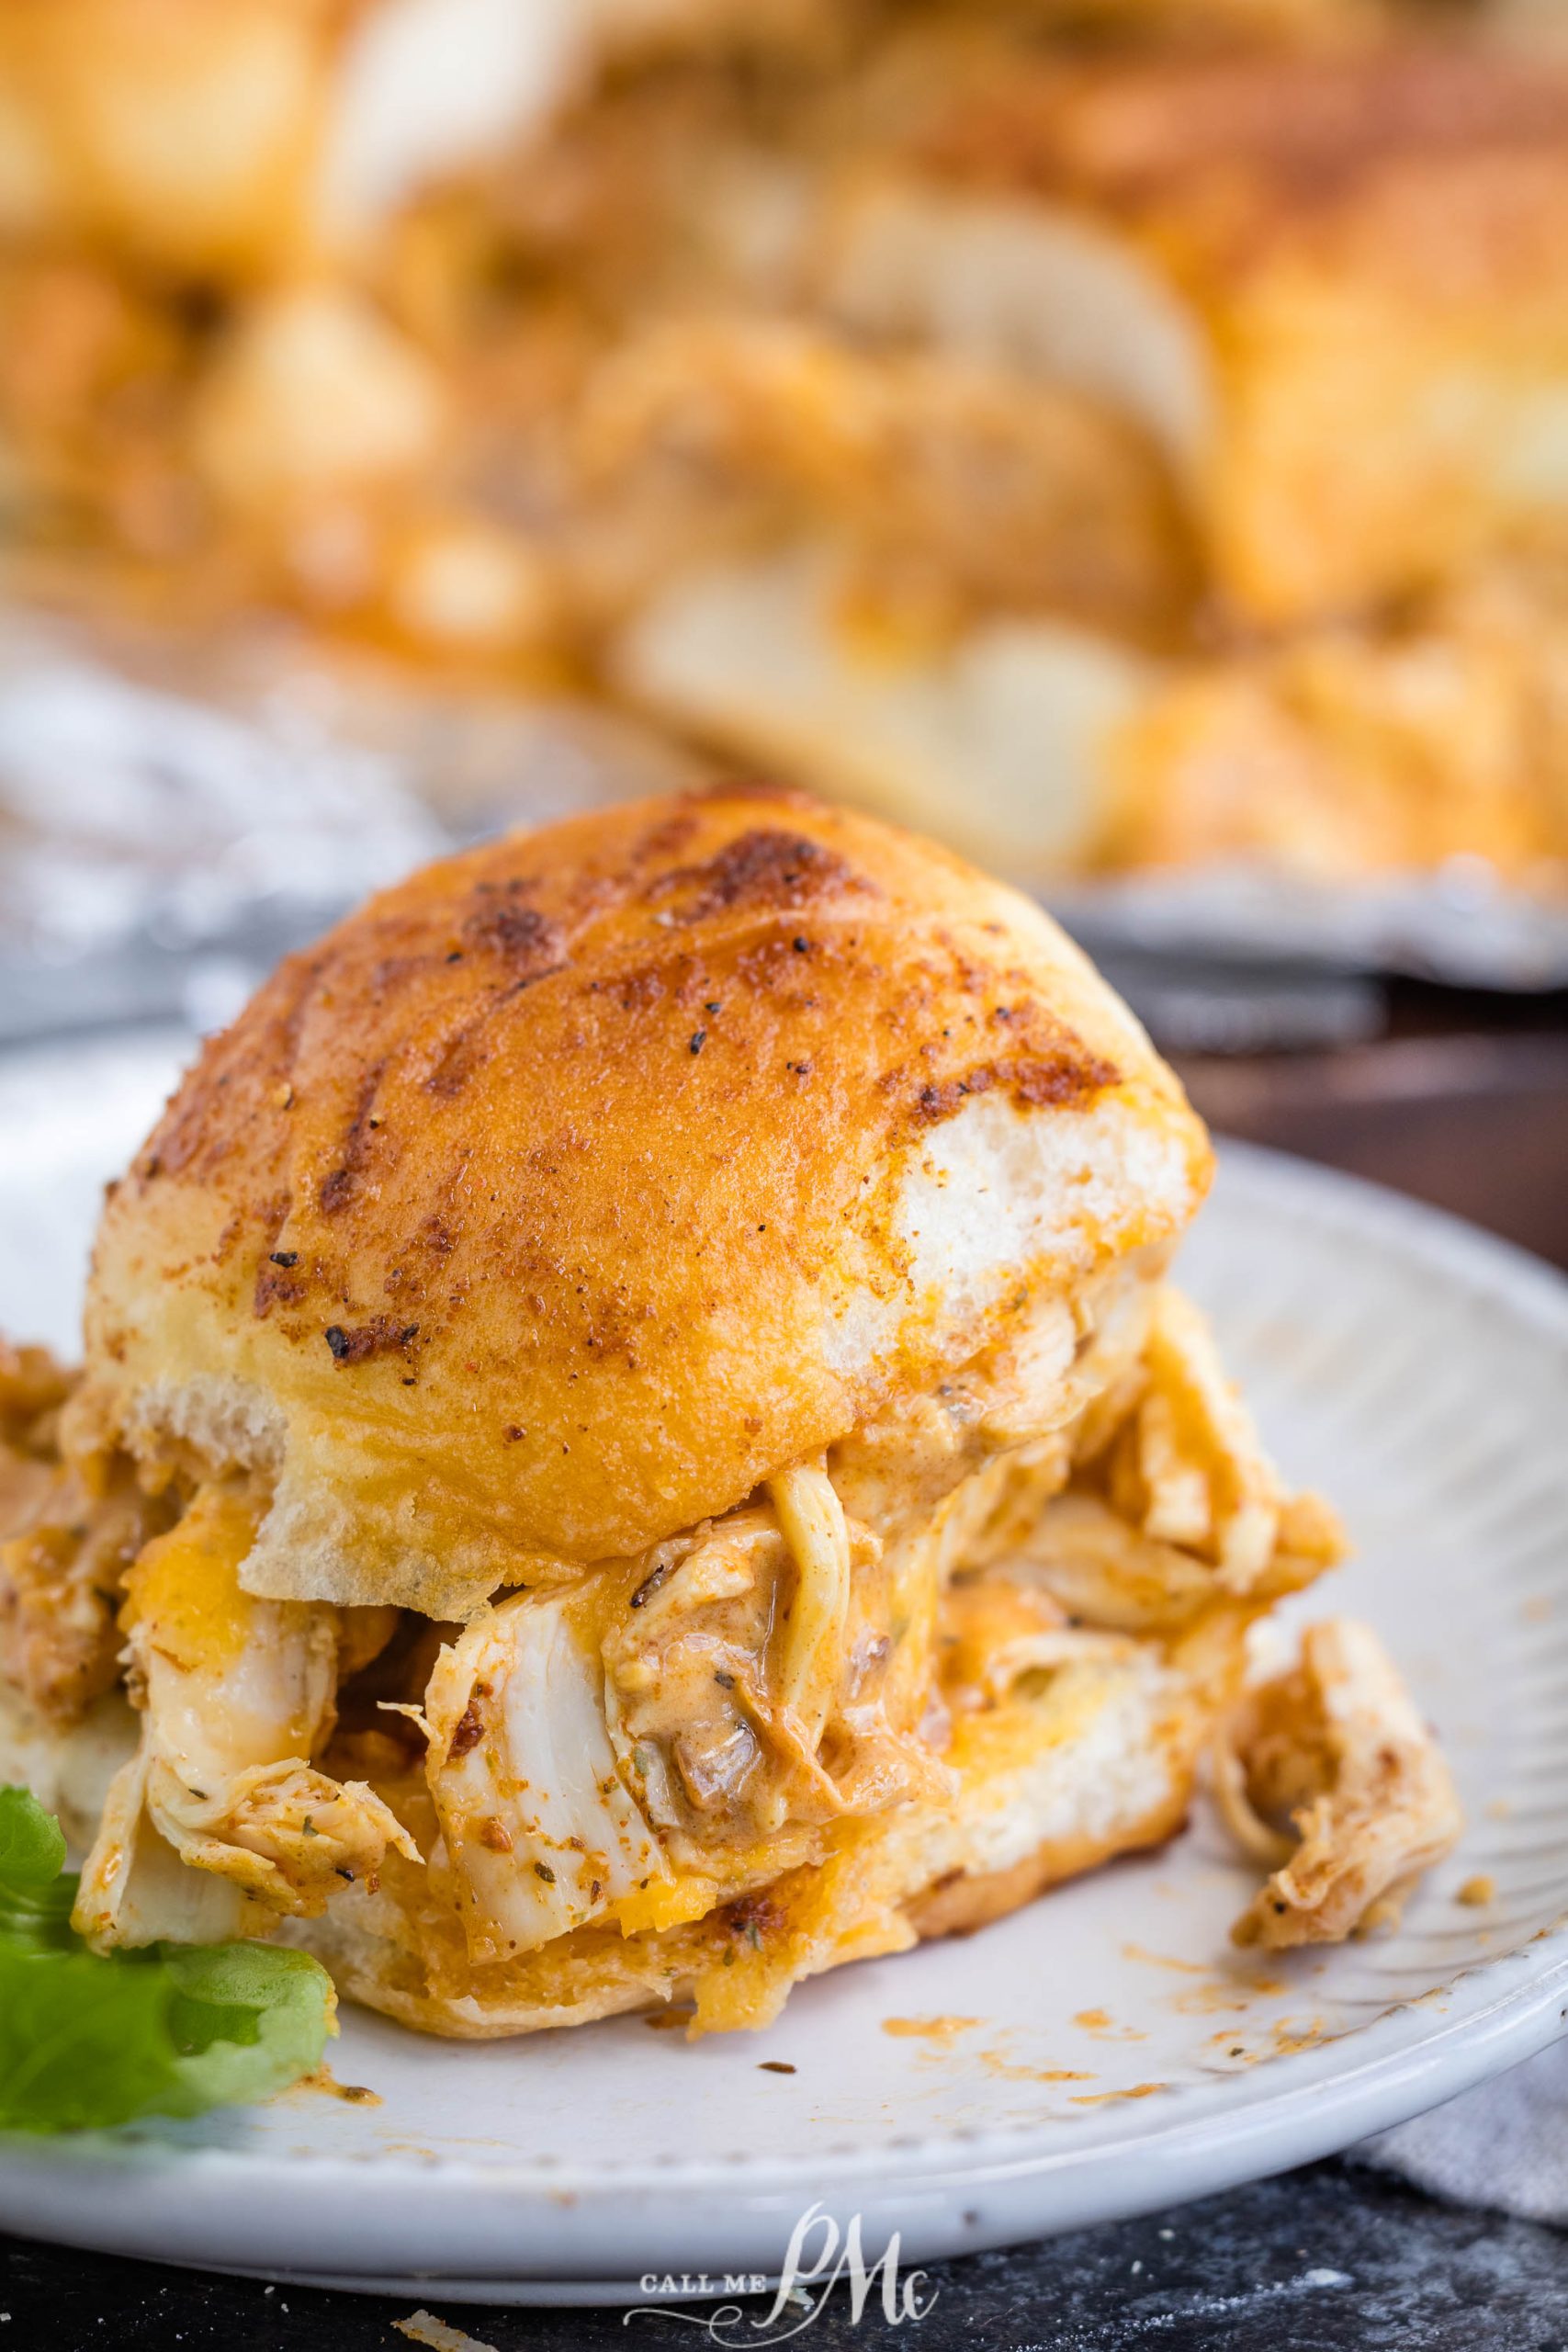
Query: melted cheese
[(237, 1694), (186, 1584)]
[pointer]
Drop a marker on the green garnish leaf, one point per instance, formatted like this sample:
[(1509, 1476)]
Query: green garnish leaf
[(86, 2042), (35, 1899), (249, 2019)]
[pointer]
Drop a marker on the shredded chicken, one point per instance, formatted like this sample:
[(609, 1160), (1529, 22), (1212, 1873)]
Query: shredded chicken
[(60, 1583), (698, 1722), (675, 1730), (960, 1474), (32, 1389), (1109, 1573), (1336, 1748), (66, 1538), (995, 1629), (1172, 1503), (705, 1716), (540, 1830), (812, 1520), (237, 1694), (1187, 1467), (632, 1747)]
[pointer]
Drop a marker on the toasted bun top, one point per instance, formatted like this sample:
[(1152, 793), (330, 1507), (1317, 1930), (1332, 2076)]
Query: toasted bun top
[(565, 1191)]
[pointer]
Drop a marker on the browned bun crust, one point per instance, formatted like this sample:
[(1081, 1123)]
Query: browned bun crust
[(640, 1973), (961, 1906), (565, 1191)]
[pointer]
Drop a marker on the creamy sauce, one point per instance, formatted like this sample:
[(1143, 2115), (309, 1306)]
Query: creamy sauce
[(942, 2032), (1100, 2098)]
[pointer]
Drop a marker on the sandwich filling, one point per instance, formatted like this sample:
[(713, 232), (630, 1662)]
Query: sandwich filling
[(659, 1752)]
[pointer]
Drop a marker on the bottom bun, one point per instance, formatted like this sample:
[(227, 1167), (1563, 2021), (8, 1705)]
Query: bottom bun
[(1098, 1760)]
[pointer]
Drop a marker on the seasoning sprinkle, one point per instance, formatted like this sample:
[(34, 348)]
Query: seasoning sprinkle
[(338, 1340), (699, 1039), (283, 1258), (543, 1870)]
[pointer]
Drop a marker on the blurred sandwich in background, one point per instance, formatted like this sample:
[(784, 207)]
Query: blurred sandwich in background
[(1116, 434)]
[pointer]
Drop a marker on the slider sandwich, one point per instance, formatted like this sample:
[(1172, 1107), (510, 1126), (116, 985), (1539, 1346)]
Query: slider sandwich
[(636, 1441), (1160, 430)]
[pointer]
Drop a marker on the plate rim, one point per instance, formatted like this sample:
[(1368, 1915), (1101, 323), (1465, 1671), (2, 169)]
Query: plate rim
[(609, 2228)]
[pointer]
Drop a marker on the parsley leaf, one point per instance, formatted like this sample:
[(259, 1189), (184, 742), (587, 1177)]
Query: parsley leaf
[(86, 2042)]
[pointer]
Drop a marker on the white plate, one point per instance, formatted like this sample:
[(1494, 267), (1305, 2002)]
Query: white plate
[(1411, 1367)]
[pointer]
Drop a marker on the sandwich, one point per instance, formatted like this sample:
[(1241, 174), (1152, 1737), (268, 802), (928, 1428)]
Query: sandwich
[(1244, 626), (1361, 749), (1070, 397), (1240, 250), (635, 1443)]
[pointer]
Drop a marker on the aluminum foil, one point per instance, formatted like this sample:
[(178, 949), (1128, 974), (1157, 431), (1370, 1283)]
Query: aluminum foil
[(163, 842), (1462, 925), (172, 818)]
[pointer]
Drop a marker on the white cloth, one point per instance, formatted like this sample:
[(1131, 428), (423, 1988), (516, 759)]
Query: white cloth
[(1503, 2146)]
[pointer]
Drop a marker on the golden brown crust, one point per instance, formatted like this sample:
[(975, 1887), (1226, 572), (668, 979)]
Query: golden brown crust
[(1242, 149), (565, 1191), (181, 135), (959, 489), (648, 1972), (961, 1906)]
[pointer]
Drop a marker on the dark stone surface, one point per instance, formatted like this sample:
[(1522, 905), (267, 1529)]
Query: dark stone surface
[(1322, 2260)]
